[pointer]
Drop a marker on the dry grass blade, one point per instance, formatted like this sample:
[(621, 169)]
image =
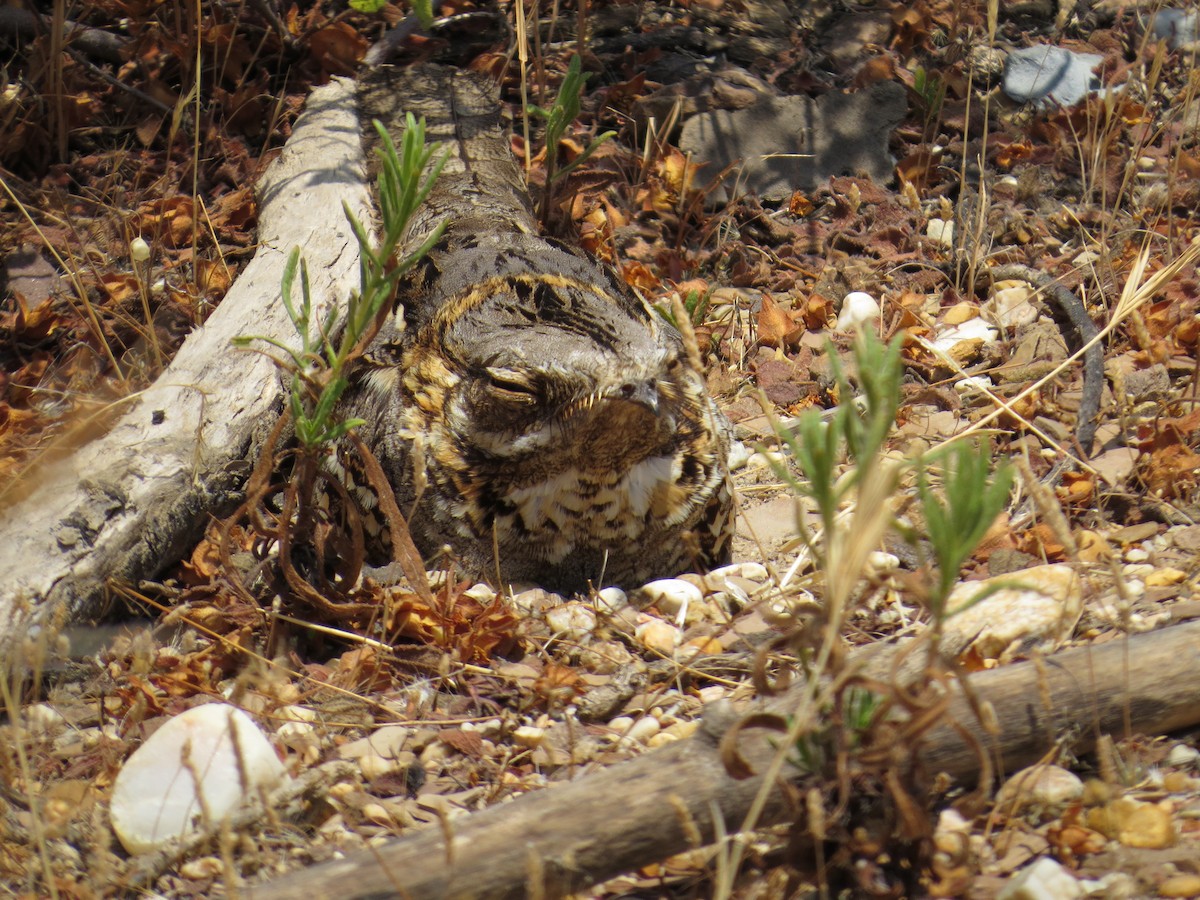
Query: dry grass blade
[(1136, 293)]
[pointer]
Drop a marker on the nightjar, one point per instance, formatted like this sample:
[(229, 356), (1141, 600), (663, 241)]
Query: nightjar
[(532, 415)]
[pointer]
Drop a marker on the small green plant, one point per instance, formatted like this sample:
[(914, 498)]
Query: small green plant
[(323, 573), (319, 364), (422, 9), (564, 111), (857, 430), (695, 304), (813, 749), (975, 492), (930, 87), (840, 720)]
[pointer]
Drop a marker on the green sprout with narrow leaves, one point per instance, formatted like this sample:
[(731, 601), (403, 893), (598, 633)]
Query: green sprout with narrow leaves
[(319, 364)]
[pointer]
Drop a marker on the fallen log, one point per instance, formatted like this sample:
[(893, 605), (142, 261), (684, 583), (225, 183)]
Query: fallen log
[(572, 835), (128, 503)]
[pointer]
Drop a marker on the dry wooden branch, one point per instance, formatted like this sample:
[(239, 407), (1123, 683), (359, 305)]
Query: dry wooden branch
[(128, 503), (572, 835)]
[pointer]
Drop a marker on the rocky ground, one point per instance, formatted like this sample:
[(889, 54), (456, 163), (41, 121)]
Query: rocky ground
[(890, 171)]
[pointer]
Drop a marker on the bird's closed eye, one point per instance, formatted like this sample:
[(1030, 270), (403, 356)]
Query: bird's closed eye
[(511, 385)]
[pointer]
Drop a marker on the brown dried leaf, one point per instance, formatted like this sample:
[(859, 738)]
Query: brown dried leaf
[(777, 327), (468, 743)]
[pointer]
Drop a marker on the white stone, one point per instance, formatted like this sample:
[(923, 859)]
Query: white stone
[(1183, 755), (611, 599), (374, 766), (296, 713), (481, 592), (1050, 75), (295, 734), (754, 571), (1012, 306), (766, 460), (1035, 606), (155, 797), (672, 596), (1042, 788), (621, 724), (529, 736), (643, 729), (941, 231), (974, 384), (1044, 880), (975, 329), (572, 621), (880, 562), (739, 454), (858, 308)]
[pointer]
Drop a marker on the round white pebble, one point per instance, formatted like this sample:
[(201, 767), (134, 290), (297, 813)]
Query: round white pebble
[(572, 621), (611, 599), (155, 797), (671, 595), (858, 308)]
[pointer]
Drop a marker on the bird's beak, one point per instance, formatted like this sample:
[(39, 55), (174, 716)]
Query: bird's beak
[(644, 392)]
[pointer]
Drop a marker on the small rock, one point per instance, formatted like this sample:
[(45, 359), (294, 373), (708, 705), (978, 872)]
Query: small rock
[(1180, 886), (672, 596), (972, 385), (1043, 880), (1039, 605), (156, 799), (1012, 306), (374, 766), (620, 725), (1134, 823), (659, 636), (767, 460), (940, 231), (858, 309), (739, 455), (752, 570), (700, 646), (202, 868), (1050, 76), (949, 340), (481, 592), (529, 736), (643, 729), (572, 621), (881, 563), (1042, 788), (611, 599), (1175, 26), (296, 713), (1183, 755), (1165, 577)]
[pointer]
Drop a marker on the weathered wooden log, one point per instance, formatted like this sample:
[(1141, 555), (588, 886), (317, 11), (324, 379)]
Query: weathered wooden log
[(129, 502), (572, 835)]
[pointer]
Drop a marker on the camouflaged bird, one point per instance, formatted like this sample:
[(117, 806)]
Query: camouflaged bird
[(530, 413)]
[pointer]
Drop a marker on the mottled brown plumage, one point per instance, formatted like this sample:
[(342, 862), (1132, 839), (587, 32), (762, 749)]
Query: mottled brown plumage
[(531, 413)]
